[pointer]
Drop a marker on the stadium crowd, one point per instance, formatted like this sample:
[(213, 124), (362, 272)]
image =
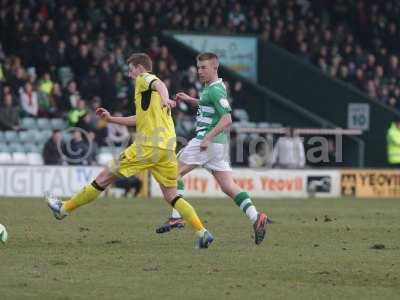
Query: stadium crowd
[(66, 58)]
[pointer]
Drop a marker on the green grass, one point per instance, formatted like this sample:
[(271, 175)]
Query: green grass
[(109, 250)]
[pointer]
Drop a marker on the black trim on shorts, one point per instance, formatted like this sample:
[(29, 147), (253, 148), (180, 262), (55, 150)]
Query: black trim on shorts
[(175, 199), (96, 186)]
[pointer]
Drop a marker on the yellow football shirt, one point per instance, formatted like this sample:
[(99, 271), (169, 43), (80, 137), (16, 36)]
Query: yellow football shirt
[(154, 124)]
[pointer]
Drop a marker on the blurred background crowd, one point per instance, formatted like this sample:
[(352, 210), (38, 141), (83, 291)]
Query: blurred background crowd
[(60, 60)]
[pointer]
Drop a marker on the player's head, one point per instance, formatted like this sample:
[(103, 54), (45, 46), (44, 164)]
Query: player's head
[(207, 66), (139, 63)]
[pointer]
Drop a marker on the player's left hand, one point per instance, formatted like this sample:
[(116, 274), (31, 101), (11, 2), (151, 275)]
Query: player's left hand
[(204, 145)]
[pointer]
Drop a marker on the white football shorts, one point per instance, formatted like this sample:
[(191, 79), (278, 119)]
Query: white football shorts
[(215, 158)]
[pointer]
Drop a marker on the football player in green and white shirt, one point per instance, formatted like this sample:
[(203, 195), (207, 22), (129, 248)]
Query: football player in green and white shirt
[(210, 147)]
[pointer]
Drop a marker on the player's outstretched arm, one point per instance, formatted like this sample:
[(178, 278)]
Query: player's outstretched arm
[(160, 87), (185, 97), (106, 116)]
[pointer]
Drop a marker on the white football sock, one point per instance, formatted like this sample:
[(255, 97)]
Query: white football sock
[(175, 214)]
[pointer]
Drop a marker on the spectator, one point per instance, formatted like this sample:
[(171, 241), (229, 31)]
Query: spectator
[(117, 135), (46, 84), (60, 57), (57, 100), (29, 100), (86, 123), (92, 148), (83, 61), (75, 115), (72, 94), (120, 86), (289, 151), (190, 79), (90, 84), (260, 158), (107, 88), (9, 114), (53, 149), (77, 150), (393, 144)]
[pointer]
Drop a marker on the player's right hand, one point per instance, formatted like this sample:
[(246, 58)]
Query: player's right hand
[(103, 113), (169, 103), (182, 96)]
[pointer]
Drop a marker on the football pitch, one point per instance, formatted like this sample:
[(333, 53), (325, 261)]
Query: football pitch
[(315, 249)]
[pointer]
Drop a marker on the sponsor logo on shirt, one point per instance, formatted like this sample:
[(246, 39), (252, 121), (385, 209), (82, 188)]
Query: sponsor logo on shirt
[(224, 102)]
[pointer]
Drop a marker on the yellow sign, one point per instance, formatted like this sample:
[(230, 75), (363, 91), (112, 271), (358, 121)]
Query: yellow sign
[(370, 183)]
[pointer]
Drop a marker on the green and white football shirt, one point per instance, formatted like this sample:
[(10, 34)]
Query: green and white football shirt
[(213, 104)]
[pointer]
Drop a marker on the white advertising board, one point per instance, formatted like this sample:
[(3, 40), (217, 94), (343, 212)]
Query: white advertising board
[(263, 184), (32, 181)]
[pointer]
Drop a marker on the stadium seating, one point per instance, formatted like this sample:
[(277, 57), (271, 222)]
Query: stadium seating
[(28, 123), (5, 158), (15, 147), (25, 136), (34, 159), (19, 158), (3, 147), (21, 153), (31, 148), (43, 123), (11, 136), (58, 123)]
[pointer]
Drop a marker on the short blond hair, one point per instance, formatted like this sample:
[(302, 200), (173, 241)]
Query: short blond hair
[(207, 56), (141, 59)]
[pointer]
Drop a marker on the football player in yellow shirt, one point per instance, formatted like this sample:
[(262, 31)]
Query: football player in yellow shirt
[(153, 149)]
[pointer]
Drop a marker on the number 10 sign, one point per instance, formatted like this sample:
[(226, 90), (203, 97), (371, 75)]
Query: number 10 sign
[(358, 116)]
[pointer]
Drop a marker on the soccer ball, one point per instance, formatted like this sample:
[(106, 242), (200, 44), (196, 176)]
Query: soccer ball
[(3, 234)]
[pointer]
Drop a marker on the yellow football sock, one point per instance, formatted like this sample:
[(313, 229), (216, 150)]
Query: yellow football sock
[(189, 215), (89, 193)]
